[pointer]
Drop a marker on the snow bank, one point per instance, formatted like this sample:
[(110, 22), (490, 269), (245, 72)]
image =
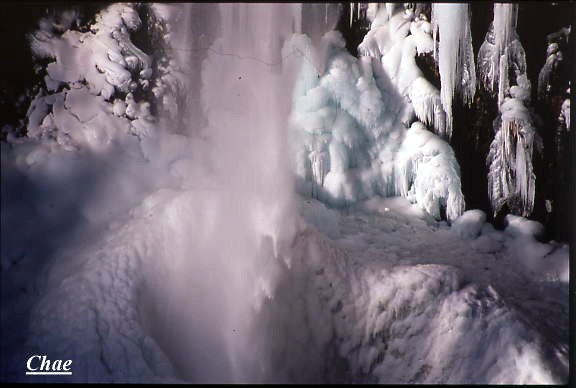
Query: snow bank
[(546, 262), (405, 324), (517, 245)]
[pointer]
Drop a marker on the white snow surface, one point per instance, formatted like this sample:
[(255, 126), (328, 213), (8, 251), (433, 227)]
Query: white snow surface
[(381, 293)]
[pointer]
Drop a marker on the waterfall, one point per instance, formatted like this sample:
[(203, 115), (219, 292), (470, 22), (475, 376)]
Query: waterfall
[(229, 231)]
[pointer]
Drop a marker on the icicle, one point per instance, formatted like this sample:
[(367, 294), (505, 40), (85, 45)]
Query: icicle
[(511, 179), (297, 12), (326, 13), (553, 58), (390, 8), (358, 8), (565, 112), (504, 24), (503, 79), (433, 17), (493, 56), (455, 62), (351, 13), (468, 69), (427, 105), (372, 11)]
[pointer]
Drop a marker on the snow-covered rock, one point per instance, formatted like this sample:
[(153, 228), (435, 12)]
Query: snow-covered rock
[(469, 225)]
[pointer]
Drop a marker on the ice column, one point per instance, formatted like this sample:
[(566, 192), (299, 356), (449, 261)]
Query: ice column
[(454, 55)]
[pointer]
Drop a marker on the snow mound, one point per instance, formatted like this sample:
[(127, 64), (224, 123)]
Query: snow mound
[(520, 226), (547, 262), (470, 224), (427, 168), (409, 324)]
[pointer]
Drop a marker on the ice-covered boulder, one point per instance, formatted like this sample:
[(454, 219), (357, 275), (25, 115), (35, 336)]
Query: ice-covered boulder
[(520, 226), (470, 224)]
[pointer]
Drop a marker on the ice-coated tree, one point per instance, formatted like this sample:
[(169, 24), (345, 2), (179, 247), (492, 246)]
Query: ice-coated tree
[(502, 68)]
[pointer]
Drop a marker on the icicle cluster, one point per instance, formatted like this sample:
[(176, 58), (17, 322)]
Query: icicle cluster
[(502, 60), (511, 179), (554, 57), (495, 53), (454, 55), (394, 40), (355, 131), (565, 112), (356, 12)]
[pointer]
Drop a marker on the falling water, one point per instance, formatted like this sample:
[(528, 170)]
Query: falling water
[(223, 246)]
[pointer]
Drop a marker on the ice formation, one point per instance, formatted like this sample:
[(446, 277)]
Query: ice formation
[(158, 237), (454, 55), (355, 11), (553, 58), (511, 179), (426, 167), (565, 112), (394, 39), (499, 49), (86, 70), (351, 136)]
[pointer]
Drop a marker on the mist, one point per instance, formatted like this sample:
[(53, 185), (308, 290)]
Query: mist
[(228, 243)]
